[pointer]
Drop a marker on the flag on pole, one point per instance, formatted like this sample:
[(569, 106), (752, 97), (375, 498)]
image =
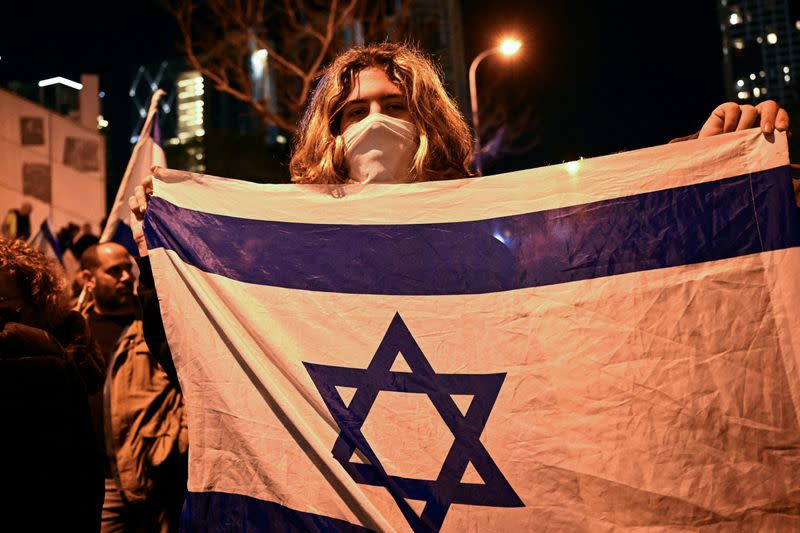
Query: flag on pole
[(147, 153), (45, 241), (607, 347)]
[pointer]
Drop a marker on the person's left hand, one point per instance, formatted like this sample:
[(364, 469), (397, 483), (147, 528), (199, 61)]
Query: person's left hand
[(730, 116)]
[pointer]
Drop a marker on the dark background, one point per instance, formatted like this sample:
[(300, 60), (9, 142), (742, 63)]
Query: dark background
[(599, 76)]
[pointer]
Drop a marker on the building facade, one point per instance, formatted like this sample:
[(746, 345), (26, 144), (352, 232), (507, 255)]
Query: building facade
[(54, 162)]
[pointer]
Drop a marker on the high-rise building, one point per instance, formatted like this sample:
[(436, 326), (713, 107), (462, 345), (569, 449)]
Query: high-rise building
[(761, 50)]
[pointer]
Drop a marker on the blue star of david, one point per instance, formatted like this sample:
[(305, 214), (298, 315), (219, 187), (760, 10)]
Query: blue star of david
[(447, 489)]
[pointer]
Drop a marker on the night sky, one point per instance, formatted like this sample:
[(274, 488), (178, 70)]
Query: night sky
[(595, 77)]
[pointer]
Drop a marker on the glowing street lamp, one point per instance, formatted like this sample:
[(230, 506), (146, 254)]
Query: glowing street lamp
[(507, 47)]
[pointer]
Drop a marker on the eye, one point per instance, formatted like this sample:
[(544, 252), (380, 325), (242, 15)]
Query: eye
[(354, 112)]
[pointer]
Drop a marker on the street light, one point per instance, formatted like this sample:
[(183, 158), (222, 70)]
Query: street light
[(507, 47)]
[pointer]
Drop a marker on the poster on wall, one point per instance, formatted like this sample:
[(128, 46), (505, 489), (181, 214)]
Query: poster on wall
[(81, 154), (36, 181), (31, 131)]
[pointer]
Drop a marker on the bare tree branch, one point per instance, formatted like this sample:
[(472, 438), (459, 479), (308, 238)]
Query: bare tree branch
[(218, 38)]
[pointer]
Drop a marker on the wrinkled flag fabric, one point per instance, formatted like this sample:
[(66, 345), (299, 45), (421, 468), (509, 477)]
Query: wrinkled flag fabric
[(605, 345)]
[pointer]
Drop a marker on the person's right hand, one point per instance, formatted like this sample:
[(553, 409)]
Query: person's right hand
[(138, 205)]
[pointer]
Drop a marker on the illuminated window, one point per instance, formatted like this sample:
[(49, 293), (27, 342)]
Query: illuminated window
[(772, 38)]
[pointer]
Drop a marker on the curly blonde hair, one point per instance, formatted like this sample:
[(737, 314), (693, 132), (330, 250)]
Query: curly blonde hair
[(445, 147), (41, 287)]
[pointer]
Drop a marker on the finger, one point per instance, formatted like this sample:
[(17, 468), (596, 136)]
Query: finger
[(147, 184), (732, 114), (782, 120), (141, 198), (748, 118), (134, 206), (768, 111)]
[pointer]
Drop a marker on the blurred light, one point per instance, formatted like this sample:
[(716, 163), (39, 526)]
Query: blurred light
[(62, 81), (743, 95), (740, 83), (772, 38), (101, 122), (797, 24), (153, 86), (763, 90), (499, 236), (142, 112), (166, 108), (134, 138), (509, 47), (132, 93), (759, 39), (102, 94), (174, 140), (572, 167), (280, 139), (200, 133), (762, 73), (738, 44), (735, 19), (752, 76), (786, 70), (756, 92), (787, 78)]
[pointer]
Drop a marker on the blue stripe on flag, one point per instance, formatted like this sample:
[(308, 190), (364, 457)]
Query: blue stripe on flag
[(684, 225), (217, 512), (52, 240)]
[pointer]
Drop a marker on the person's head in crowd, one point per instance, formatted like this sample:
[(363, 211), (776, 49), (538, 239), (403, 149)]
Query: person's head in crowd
[(107, 271), (31, 290), (25, 209), (381, 114), (87, 228)]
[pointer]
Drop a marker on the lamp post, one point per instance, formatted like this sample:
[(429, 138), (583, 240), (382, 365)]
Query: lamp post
[(507, 47)]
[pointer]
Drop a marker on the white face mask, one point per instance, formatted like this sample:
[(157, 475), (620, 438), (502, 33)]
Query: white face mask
[(380, 149)]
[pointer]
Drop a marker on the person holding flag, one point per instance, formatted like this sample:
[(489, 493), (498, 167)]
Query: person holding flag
[(379, 115)]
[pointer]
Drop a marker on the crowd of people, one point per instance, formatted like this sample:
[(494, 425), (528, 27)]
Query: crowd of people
[(91, 403)]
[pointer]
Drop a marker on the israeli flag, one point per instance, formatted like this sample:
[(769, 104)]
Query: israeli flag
[(607, 347), (147, 153), (45, 241)]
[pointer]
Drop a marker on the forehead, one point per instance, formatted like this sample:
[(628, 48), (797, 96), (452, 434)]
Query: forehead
[(110, 256), (372, 83)]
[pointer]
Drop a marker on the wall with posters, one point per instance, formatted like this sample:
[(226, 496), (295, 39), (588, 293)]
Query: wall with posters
[(51, 161)]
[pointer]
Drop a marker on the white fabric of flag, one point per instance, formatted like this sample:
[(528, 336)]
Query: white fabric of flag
[(147, 153), (612, 348)]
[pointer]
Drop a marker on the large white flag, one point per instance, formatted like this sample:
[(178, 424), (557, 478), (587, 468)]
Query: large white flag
[(608, 348), (147, 153)]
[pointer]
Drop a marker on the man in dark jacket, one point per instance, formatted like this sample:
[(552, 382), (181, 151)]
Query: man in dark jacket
[(49, 464), (139, 413)]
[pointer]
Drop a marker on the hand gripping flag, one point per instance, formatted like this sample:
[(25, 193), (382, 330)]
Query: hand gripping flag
[(147, 153), (609, 349)]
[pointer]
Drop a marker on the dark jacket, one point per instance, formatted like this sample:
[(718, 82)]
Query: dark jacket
[(48, 462)]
